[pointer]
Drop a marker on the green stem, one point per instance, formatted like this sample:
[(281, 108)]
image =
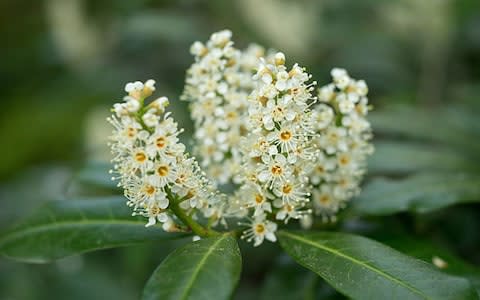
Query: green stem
[(186, 219), (196, 227)]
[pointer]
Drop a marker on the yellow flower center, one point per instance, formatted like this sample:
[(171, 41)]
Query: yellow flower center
[(155, 210), (294, 91), (277, 170), (140, 157), (324, 199), (287, 189), (258, 198), (163, 171), (131, 132), (160, 142), (190, 194), (344, 160), (263, 100), (231, 115), (260, 228), (181, 178), (150, 190), (285, 135)]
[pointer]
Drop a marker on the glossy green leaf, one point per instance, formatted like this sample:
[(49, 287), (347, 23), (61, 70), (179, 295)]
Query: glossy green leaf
[(365, 269), (96, 174), (453, 126), (205, 269), (63, 228), (427, 251), (418, 193), (405, 157)]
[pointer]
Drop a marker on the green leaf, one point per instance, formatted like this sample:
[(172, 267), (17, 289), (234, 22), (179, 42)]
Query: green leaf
[(407, 157), (97, 174), (451, 126), (365, 269), (63, 228), (420, 193), (426, 251), (205, 269)]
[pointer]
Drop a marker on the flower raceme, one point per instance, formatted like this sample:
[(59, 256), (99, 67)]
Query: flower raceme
[(343, 141), (278, 148), (291, 151), (217, 86), (150, 162)]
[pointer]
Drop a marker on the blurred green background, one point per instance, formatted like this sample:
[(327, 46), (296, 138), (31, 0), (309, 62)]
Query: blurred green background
[(63, 63)]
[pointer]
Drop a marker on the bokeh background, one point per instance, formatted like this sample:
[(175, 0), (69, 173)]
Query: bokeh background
[(63, 63)]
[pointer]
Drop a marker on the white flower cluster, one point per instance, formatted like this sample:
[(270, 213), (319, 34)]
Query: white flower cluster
[(217, 85), (277, 149), (258, 125), (344, 135), (151, 164)]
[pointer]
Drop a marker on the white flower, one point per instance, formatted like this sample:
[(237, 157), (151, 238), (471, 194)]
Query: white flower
[(159, 104), (345, 104), (324, 116), (198, 49), (340, 78), (150, 119), (289, 211), (291, 193), (259, 230), (221, 38), (274, 170), (131, 105), (325, 203), (163, 173), (136, 86), (257, 199), (326, 93)]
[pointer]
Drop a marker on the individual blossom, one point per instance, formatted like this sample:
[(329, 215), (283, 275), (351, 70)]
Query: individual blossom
[(151, 164), (260, 229), (217, 86), (344, 135), (278, 147)]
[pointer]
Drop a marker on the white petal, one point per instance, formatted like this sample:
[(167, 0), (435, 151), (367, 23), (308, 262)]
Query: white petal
[(151, 221), (163, 203), (271, 236), (162, 217), (263, 176)]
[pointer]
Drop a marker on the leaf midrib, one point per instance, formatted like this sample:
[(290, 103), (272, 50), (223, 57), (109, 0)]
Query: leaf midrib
[(353, 260), (197, 269)]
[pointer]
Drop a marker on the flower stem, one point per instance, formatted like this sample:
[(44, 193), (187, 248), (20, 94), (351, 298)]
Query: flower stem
[(196, 227), (186, 219)]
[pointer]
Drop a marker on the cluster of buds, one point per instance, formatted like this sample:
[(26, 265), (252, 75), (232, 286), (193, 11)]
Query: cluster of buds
[(343, 141), (217, 85), (150, 162)]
